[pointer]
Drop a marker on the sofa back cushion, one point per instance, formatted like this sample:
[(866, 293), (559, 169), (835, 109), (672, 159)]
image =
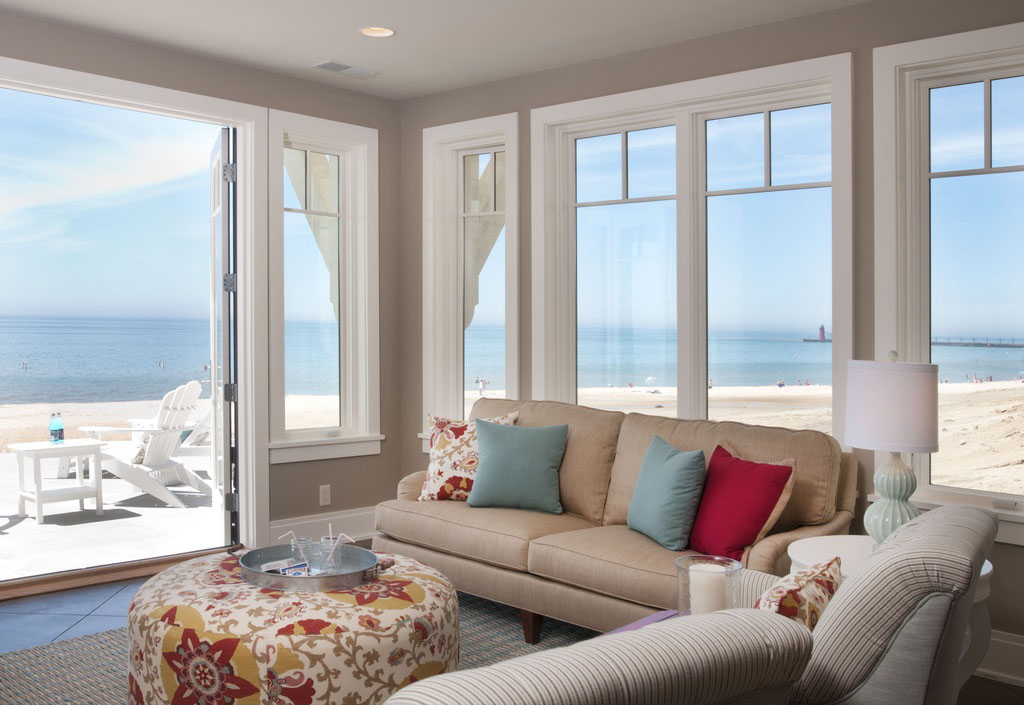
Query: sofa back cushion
[(589, 449), (815, 457)]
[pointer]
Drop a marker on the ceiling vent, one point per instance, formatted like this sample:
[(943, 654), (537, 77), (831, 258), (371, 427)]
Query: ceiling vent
[(346, 70)]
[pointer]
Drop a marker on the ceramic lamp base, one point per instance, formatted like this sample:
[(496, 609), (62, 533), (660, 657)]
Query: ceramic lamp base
[(895, 482)]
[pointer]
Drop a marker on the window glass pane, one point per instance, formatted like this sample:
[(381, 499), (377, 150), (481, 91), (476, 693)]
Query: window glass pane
[(599, 168), (294, 178), (977, 246), (957, 116), (626, 307), (651, 162), (770, 308), (735, 149), (478, 175), (1008, 121), (801, 145), (484, 308), (323, 182), (499, 181), (311, 334)]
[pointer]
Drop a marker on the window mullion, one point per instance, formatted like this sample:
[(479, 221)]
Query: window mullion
[(625, 165), (988, 123), (767, 149)]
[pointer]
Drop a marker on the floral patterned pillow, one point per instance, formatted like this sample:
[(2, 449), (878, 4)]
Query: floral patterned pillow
[(803, 596), (454, 457)]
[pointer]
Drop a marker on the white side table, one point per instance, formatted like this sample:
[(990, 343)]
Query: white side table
[(854, 550), (78, 448)]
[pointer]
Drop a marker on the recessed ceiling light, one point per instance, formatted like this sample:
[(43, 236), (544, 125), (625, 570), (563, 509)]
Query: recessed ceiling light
[(377, 32)]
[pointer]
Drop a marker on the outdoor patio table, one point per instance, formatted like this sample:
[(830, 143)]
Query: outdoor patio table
[(78, 448)]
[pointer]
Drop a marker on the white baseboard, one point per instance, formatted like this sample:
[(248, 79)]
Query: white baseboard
[(357, 523), (1005, 659)]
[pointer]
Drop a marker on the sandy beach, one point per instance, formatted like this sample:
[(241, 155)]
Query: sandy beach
[(981, 425)]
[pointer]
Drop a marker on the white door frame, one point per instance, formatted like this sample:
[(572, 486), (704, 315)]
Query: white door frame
[(251, 124)]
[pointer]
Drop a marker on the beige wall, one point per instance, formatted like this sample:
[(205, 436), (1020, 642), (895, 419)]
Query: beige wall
[(856, 29), (356, 482)]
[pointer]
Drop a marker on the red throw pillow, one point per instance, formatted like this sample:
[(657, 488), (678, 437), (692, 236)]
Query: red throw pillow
[(742, 500)]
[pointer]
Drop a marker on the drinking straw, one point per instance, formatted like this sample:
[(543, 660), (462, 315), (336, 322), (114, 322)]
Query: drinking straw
[(297, 545), (336, 544)]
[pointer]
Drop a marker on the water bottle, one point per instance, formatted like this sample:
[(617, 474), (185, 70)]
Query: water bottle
[(60, 428), (54, 435)]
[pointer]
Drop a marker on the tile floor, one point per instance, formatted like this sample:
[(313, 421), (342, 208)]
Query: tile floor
[(31, 621)]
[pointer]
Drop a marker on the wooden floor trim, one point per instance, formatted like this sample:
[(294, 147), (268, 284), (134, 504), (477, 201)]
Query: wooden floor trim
[(53, 582)]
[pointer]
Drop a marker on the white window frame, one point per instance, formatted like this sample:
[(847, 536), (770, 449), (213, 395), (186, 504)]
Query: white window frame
[(443, 334), (903, 75), (250, 122), (359, 348), (554, 130)]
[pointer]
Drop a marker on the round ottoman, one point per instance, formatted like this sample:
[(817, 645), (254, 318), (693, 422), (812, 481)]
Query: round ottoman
[(199, 633)]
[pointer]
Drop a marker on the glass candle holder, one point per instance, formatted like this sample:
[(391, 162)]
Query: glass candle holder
[(707, 583)]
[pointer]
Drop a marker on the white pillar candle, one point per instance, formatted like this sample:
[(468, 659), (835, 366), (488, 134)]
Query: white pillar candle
[(707, 588)]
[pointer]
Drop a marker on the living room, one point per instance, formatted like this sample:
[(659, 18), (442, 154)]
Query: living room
[(561, 217)]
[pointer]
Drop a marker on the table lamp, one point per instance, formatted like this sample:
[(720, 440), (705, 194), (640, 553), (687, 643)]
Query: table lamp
[(892, 406)]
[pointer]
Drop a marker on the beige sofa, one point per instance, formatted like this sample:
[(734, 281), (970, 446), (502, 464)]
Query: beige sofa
[(586, 566)]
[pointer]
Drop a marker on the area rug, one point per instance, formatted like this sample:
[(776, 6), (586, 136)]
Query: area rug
[(92, 670)]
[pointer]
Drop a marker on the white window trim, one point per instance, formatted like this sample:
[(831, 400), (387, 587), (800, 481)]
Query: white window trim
[(553, 130), (903, 73), (442, 320), (359, 327), (251, 124)]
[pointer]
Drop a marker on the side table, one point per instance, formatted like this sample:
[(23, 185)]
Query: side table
[(78, 448)]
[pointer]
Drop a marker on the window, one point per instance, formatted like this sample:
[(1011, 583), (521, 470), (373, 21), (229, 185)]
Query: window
[(324, 356), (687, 239), (625, 270), (482, 224), (470, 311), (768, 200), (948, 246)]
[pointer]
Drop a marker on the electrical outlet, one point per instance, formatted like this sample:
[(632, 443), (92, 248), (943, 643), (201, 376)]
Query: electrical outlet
[(325, 495)]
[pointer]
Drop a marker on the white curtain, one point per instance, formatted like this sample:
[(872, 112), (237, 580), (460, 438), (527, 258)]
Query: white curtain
[(481, 232)]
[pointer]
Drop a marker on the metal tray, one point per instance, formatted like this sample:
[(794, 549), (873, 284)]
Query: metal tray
[(351, 566)]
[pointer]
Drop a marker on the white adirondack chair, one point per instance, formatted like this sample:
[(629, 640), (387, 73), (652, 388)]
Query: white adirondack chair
[(149, 465)]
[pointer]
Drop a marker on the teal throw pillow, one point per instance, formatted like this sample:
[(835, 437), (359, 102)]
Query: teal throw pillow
[(667, 494), (518, 466)]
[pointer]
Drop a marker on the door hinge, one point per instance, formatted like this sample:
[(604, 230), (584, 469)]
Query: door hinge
[(230, 172), (233, 455), (231, 502), (231, 282), (230, 392)]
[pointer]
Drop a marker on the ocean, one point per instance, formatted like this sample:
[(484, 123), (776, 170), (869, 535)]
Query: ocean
[(100, 359)]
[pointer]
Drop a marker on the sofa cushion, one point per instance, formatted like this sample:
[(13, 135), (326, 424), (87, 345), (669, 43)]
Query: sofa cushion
[(589, 449), (612, 560), (519, 467), (491, 535), (815, 458)]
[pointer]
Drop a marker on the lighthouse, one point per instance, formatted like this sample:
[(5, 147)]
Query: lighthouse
[(821, 333)]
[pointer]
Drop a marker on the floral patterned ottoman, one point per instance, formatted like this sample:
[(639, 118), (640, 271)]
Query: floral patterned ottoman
[(200, 634)]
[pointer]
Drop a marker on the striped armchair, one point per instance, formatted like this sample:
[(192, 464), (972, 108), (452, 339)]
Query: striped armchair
[(892, 633)]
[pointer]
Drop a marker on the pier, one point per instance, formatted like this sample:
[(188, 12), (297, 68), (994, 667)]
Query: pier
[(979, 342)]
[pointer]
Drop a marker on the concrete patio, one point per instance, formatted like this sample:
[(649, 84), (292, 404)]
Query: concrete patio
[(134, 525)]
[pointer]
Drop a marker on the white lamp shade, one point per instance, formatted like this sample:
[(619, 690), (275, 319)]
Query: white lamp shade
[(892, 406)]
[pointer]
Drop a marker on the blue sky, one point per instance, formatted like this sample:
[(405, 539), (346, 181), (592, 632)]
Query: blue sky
[(103, 211)]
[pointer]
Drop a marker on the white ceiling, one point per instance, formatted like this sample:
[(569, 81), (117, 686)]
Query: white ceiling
[(440, 44)]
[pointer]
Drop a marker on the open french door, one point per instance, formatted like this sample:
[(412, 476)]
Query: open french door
[(223, 324)]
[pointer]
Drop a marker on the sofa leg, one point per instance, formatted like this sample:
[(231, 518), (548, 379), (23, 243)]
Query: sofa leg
[(531, 626)]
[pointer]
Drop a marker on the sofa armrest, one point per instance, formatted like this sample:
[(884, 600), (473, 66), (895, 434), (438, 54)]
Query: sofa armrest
[(753, 584), (770, 553), (735, 656), (409, 487)]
